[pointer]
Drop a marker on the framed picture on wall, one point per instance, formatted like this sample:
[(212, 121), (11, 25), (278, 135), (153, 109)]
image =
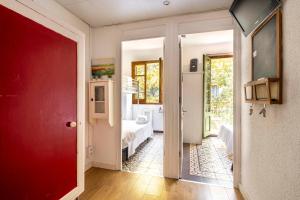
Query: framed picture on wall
[(103, 68)]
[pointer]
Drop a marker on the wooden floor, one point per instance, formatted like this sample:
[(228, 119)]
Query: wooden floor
[(109, 185)]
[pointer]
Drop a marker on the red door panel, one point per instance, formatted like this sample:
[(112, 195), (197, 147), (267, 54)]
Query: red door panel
[(38, 95)]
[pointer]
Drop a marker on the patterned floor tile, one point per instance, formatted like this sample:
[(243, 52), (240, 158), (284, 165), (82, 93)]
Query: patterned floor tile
[(210, 160), (148, 158)]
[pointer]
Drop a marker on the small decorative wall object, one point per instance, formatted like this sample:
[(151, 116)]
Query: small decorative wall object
[(263, 111), (194, 65), (251, 110), (103, 68), (266, 85), (101, 101)]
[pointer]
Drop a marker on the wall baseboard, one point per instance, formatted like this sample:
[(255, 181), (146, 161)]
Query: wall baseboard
[(243, 192), (88, 166), (103, 165)]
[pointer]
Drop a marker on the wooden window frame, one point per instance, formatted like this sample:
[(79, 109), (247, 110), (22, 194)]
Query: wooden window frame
[(133, 75), (219, 56)]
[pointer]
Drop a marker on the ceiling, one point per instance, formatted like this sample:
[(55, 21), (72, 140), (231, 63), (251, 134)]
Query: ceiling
[(208, 38), (153, 43), (107, 12)]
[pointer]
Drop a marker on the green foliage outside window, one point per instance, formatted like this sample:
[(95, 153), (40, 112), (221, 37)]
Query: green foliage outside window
[(153, 79), (147, 73), (221, 92)]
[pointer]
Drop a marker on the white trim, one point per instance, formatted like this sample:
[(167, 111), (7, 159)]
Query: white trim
[(118, 74), (243, 192), (30, 10), (171, 105), (44, 15), (201, 183), (88, 165), (81, 110), (103, 165), (237, 108)]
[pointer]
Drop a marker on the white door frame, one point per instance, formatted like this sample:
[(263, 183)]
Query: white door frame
[(180, 109), (236, 105), (237, 95), (30, 10)]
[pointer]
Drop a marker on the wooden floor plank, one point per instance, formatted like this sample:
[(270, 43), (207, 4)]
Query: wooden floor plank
[(104, 184)]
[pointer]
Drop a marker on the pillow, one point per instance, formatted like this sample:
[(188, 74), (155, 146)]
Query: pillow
[(141, 119)]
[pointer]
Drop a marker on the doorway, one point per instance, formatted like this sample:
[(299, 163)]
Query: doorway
[(207, 107), (142, 106)]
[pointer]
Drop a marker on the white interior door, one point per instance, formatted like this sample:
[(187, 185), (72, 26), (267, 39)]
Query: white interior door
[(192, 107), (180, 111)]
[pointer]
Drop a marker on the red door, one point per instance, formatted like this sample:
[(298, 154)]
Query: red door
[(37, 98)]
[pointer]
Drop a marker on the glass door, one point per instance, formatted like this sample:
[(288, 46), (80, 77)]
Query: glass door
[(218, 93), (206, 96), (99, 99)]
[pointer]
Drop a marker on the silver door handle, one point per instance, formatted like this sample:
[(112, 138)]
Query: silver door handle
[(72, 124), (184, 111)]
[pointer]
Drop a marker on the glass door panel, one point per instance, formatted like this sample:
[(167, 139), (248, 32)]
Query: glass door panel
[(207, 96), (99, 93), (100, 99), (153, 82), (99, 107)]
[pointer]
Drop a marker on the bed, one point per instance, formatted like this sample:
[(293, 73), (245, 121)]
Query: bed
[(133, 135), (226, 135)]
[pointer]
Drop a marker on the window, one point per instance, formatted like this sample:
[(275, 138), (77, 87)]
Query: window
[(148, 74)]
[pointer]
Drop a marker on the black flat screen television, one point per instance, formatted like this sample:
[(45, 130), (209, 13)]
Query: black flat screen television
[(250, 13)]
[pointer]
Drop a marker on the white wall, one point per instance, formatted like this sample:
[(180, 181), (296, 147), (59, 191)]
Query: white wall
[(129, 56), (107, 43), (271, 145), (129, 111), (197, 51), (157, 115), (65, 16)]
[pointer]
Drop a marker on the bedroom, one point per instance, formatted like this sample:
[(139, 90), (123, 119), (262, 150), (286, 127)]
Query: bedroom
[(142, 106)]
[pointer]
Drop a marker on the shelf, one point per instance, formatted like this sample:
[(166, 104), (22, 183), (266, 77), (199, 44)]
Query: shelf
[(263, 91)]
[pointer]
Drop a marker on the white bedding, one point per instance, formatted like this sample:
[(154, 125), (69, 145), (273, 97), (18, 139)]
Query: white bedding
[(134, 134), (226, 135)]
